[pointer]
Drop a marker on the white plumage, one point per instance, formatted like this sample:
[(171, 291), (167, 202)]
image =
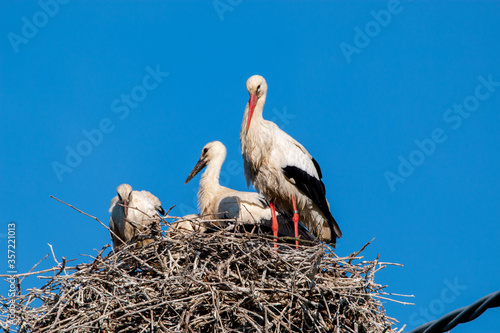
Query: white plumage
[(131, 213), (187, 224), (218, 201), (214, 199), (279, 167)]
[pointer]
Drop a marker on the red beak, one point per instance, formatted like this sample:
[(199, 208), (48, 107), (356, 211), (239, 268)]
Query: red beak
[(251, 106), (125, 208)]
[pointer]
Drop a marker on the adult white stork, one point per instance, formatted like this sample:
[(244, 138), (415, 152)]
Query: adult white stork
[(225, 203), (281, 168), (131, 213)]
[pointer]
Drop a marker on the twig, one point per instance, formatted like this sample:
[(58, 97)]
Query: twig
[(53, 255), (222, 281), (355, 254), (95, 218)]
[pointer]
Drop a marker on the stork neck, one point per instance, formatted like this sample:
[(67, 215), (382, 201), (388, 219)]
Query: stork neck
[(209, 185), (212, 172), (259, 107)]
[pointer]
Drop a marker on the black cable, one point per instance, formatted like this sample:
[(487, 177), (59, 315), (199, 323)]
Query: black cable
[(459, 316)]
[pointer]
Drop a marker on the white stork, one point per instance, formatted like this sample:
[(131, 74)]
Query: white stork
[(281, 168), (131, 212), (226, 203)]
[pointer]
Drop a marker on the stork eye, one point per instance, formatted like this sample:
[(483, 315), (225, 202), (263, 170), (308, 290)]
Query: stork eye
[(205, 150), (258, 87)]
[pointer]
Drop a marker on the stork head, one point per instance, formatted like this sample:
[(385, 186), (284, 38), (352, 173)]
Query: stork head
[(212, 151), (155, 201), (257, 88), (125, 195)]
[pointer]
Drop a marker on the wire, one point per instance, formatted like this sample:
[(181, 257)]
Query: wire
[(459, 316)]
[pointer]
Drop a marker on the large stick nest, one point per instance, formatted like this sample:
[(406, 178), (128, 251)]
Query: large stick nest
[(217, 282)]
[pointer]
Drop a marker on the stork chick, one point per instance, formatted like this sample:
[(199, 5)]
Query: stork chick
[(226, 203), (131, 213)]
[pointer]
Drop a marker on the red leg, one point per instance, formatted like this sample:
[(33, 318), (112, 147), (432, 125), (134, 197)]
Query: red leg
[(275, 223), (295, 221)]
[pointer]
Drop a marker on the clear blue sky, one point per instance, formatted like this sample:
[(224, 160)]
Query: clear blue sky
[(363, 91)]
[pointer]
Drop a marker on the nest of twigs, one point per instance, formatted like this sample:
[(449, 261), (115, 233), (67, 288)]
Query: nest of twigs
[(222, 281)]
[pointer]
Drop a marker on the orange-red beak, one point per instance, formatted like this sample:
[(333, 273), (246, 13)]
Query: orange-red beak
[(251, 106)]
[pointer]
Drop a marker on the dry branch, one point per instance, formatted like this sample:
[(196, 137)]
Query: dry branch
[(221, 281)]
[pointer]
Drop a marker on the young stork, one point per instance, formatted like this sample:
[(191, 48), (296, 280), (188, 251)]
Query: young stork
[(131, 212), (226, 203), (187, 224), (282, 170)]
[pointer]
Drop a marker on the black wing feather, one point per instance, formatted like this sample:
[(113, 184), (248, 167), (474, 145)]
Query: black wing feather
[(315, 190), (318, 169)]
